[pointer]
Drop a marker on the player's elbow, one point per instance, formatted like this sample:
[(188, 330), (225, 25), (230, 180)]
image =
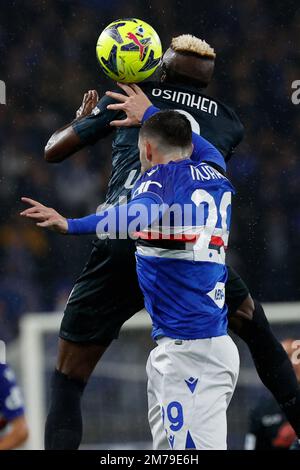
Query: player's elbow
[(49, 156), (52, 153), (62, 145)]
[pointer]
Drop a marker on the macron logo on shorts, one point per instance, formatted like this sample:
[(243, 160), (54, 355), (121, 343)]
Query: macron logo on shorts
[(218, 294), (191, 383), (171, 441)]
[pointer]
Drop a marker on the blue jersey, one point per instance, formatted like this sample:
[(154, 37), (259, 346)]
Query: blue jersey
[(181, 259), (11, 402)]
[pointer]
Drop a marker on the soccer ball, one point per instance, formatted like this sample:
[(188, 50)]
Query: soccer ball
[(129, 50)]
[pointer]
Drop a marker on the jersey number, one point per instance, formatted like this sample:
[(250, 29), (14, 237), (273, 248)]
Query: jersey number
[(201, 196), (194, 123), (174, 414)]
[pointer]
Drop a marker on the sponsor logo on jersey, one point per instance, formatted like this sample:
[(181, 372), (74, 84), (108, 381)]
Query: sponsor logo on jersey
[(218, 294)]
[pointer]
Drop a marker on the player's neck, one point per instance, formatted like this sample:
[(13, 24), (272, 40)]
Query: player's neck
[(167, 158)]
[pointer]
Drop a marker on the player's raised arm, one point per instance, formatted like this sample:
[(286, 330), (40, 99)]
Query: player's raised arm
[(134, 103), (44, 216), (119, 218), (64, 142), (92, 123)]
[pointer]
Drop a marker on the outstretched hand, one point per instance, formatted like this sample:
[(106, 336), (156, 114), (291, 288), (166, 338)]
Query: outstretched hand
[(134, 104), (90, 99), (45, 216)]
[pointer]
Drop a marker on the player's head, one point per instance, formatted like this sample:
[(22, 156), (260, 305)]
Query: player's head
[(188, 61), (292, 349), (165, 136)]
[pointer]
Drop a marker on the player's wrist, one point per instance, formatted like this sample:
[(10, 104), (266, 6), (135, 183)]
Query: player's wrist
[(71, 226), (150, 111)]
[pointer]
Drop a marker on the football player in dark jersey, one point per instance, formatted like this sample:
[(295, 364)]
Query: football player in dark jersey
[(268, 427), (106, 294)]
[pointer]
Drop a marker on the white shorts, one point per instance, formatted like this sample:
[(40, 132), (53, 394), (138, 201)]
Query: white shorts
[(190, 385)]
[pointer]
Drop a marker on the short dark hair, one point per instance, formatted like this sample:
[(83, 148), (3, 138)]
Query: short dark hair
[(171, 127), (198, 75), (187, 69)]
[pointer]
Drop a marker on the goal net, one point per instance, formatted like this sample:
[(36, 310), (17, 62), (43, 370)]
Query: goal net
[(115, 401)]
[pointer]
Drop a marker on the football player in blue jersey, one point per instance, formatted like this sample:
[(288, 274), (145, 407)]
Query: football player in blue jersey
[(93, 317), (13, 426), (181, 270)]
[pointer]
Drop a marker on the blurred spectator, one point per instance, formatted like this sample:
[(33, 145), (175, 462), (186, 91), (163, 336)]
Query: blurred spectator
[(47, 51), (268, 427)]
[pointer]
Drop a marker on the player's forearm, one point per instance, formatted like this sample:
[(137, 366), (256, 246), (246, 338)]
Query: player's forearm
[(16, 437), (62, 144), (85, 225), (117, 220)]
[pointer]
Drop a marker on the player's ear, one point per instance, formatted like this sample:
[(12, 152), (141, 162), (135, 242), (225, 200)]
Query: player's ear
[(148, 151)]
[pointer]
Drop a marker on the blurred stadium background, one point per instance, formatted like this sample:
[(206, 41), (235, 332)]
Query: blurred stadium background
[(47, 59)]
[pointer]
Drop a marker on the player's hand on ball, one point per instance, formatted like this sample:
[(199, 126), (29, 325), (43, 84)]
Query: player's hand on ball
[(90, 99), (45, 216), (134, 104)]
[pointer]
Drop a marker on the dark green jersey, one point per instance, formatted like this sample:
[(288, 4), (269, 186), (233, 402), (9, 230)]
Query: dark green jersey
[(209, 117)]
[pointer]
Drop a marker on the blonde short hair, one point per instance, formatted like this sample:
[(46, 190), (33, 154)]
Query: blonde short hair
[(189, 43)]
